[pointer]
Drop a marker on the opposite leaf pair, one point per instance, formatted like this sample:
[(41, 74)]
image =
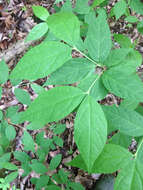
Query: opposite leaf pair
[(113, 158), (117, 76)]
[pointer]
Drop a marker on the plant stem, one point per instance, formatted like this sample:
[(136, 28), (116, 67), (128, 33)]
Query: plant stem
[(141, 143), (128, 2), (88, 92), (74, 48)]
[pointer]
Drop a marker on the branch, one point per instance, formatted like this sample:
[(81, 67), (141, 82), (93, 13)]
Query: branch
[(12, 103), (15, 49)]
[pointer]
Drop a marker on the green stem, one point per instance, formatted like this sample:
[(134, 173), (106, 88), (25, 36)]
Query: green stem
[(88, 92), (74, 48), (138, 148), (128, 2)]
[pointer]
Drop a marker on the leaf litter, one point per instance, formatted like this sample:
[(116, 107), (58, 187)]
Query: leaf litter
[(16, 20)]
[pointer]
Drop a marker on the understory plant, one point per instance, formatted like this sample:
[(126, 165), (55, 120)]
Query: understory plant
[(105, 62)]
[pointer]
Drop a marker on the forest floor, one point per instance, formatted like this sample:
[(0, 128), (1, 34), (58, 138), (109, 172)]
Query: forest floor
[(16, 20)]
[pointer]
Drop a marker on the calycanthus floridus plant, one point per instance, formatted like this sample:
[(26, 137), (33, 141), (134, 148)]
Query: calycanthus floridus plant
[(100, 69)]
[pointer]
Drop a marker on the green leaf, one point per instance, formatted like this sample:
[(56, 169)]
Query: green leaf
[(4, 185), (28, 142), (1, 180), (117, 56), (38, 167), (65, 26), (1, 151), (26, 168), (139, 109), (34, 180), (127, 121), (53, 187), (134, 59), (119, 82), (59, 102), (90, 130), (42, 181), (78, 162), (131, 105), (82, 7), (34, 126), (120, 8), (37, 32), (58, 141), (140, 27), (12, 114), (98, 45), (21, 156), (1, 115), (10, 177), (139, 153), (88, 18), (128, 177), (56, 177), (137, 6), (76, 186), (11, 111), (97, 3), (22, 96), (131, 19), (81, 67), (131, 175), (9, 166), (40, 138), (37, 88), (4, 72), (15, 82), (111, 159), (98, 90), (63, 175), (4, 158), (123, 41), (67, 6), (40, 12), (51, 37), (10, 132), (58, 1), (131, 62), (34, 65), (121, 139), (83, 30), (55, 162), (0, 92), (4, 142), (59, 128)]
